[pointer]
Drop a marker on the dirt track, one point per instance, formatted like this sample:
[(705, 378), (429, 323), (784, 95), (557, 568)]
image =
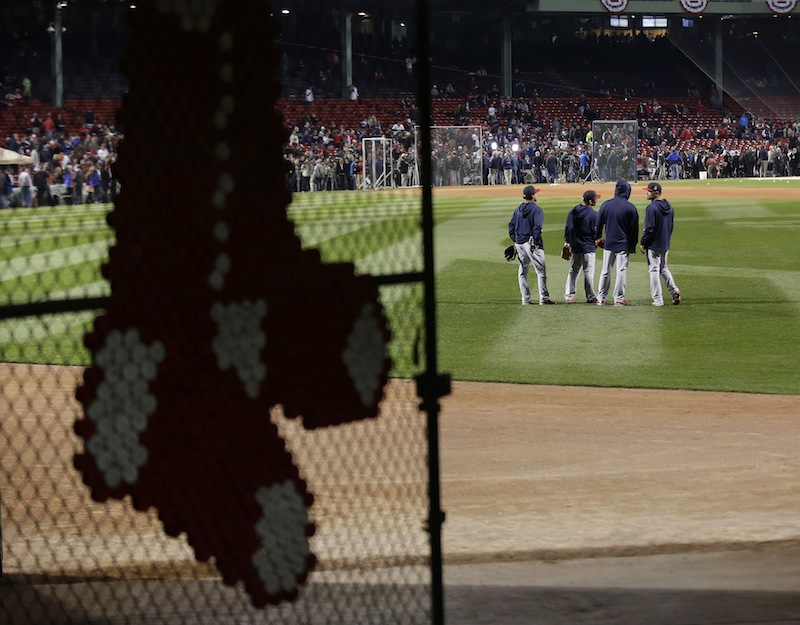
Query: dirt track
[(560, 472), (527, 471)]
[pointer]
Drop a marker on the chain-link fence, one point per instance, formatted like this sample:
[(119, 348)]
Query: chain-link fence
[(208, 411)]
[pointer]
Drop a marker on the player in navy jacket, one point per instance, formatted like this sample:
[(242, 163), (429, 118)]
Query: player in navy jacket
[(525, 230), (579, 234), (621, 222), (659, 220)]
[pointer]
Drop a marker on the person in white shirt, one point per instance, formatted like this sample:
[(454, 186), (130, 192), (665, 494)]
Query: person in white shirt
[(102, 152), (25, 184)]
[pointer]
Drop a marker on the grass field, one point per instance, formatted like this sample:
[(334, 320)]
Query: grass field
[(734, 258)]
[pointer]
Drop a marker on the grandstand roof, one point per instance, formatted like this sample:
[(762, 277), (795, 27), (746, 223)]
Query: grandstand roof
[(510, 7)]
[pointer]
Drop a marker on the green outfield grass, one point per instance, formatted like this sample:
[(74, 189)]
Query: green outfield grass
[(736, 330), (734, 260)]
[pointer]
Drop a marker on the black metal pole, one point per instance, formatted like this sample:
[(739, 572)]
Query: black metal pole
[(430, 385), (58, 62)]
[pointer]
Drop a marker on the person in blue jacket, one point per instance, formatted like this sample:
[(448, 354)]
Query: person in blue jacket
[(659, 219), (675, 161), (620, 220), (579, 236), (525, 230)]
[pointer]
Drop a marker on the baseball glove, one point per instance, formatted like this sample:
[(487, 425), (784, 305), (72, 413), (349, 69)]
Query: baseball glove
[(510, 253), (566, 252)]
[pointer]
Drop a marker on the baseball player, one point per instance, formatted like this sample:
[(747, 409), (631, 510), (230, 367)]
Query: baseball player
[(579, 236), (658, 223), (621, 222), (525, 230)]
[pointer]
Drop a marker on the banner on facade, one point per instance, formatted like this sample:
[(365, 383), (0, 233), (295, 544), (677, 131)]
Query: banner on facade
[(694, 6), (614, 6), (781, 7)]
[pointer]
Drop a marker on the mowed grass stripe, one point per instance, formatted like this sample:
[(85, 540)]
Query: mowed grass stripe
[(41, 287), (32, 245), (51, 339), (20, 267)]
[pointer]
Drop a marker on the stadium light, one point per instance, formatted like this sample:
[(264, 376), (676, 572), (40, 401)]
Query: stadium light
[(285, 11)]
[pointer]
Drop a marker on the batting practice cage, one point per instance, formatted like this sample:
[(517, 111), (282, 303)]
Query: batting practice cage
[(219, 395), (614, 150), (456, 155)]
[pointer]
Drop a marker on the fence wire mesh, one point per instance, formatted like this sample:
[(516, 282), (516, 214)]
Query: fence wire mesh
[(208, 411)]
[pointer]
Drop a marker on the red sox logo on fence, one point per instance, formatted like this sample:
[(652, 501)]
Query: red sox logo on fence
[(781, 7), (694, 6), (217, 314), (615, 6)]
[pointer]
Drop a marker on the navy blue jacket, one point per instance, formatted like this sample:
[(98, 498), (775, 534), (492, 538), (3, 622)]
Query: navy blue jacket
[(620, 219), (527, 222), (580, 228), (658, 222)]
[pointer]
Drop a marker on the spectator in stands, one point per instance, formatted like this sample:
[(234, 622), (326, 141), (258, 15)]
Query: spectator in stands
[(68, 181), (778, 160), (319, 172), (46, 155), (584, 162), (734, 162), (14, 96), (538, 166), (763, 161), (675, 163), (793, 162), (25, 187), (26, 88), (5, 186), (353, 93), (309, 96), (551, 164), (102, 152), (49, 126), (12, 142), (92, 184), (104, 194), (41, 180), (712, 166), (495, 167), (36, 124), (526, 174), (508, 167), (77, 193)]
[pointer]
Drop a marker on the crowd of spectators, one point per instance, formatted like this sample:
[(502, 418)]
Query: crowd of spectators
[(75, 168), (518, 143), (510, 141)]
